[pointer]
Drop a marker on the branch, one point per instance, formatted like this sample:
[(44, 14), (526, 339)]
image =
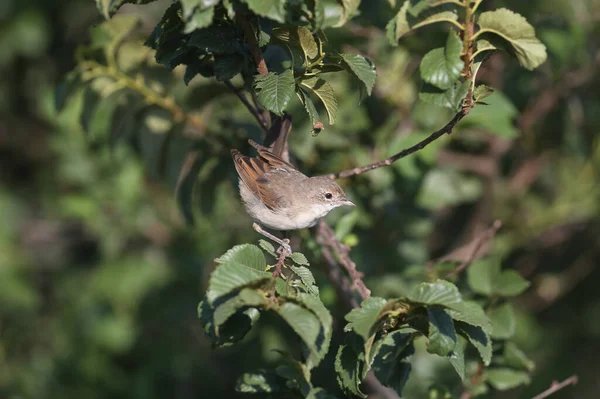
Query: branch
[(261, 65), (408, 151), (251, 108), (557, 386), (327, 237)]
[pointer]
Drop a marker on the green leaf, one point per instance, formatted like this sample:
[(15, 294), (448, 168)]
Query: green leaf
[(258, 382), (275, 90), (231, 276), (349, 8), (496, 117), (246, 298), (362, 68), (486, 277), (392, 365), (273, 9), (300, 259), (515, 358), (514, 30), (404, 21), (457, 360), (504, 379), (481, 92), (233, 330), (227, 66), (307, 279), (309, 106), (267, 247), (220, 39), (442, 336), (245, 254), (306, 324), (510, 283), (324, 91), (478, 338), (315, 305), (442, 67), (451, 98), (201, 18), (348, 367), (363, 319), (307, 43), (471, 313), (442, 293), (503, 321), (108, 8)]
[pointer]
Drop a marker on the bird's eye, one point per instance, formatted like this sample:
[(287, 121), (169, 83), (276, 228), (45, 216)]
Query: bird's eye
[(328, 195)]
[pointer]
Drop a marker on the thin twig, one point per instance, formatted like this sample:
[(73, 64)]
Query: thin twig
[(447, 129), (477, 245), (251, 108), (342, 252), (261, 65), (557, 386)]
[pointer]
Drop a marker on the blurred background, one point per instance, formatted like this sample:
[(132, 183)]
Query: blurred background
[(100, 275)]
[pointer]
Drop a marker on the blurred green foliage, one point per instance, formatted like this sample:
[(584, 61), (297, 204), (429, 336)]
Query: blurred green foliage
[(100, 277)]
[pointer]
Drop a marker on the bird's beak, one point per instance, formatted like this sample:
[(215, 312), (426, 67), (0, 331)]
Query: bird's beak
[(348, 202)]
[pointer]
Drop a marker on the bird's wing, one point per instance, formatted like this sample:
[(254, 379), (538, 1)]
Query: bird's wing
[(254, 173)]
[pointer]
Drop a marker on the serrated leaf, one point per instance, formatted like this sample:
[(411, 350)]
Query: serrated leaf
[(503, 321), (457, 360), (258, 382), (315, 305), (504, 379), (442, 67), (309, 106), (273, 9), (220, 39), (392, 365), (300, 259), (233, 330), (109, 7), (348, 370), (308, 43), (267, 247), (245, 254), (307, 278), (362, 68), (451, 98), (478, 338), (471, 313), (442, 336), (246, 297), (274, 90), (442, 293), (307, 325), (227, 66), (231, 276), (362, 320), (514, 30), (325, 93), (201, 18), (404, 21)]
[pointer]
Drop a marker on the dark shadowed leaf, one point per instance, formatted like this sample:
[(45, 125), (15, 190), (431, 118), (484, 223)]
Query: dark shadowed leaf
[(442, 336), (478, 338)]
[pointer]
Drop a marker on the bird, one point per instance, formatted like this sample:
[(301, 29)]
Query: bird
[(278, 196)]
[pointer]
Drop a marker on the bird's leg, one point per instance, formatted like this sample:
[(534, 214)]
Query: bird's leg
[(285, 243)]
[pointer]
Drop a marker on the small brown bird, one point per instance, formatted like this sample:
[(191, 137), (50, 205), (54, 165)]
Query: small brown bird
[(280, 197)]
